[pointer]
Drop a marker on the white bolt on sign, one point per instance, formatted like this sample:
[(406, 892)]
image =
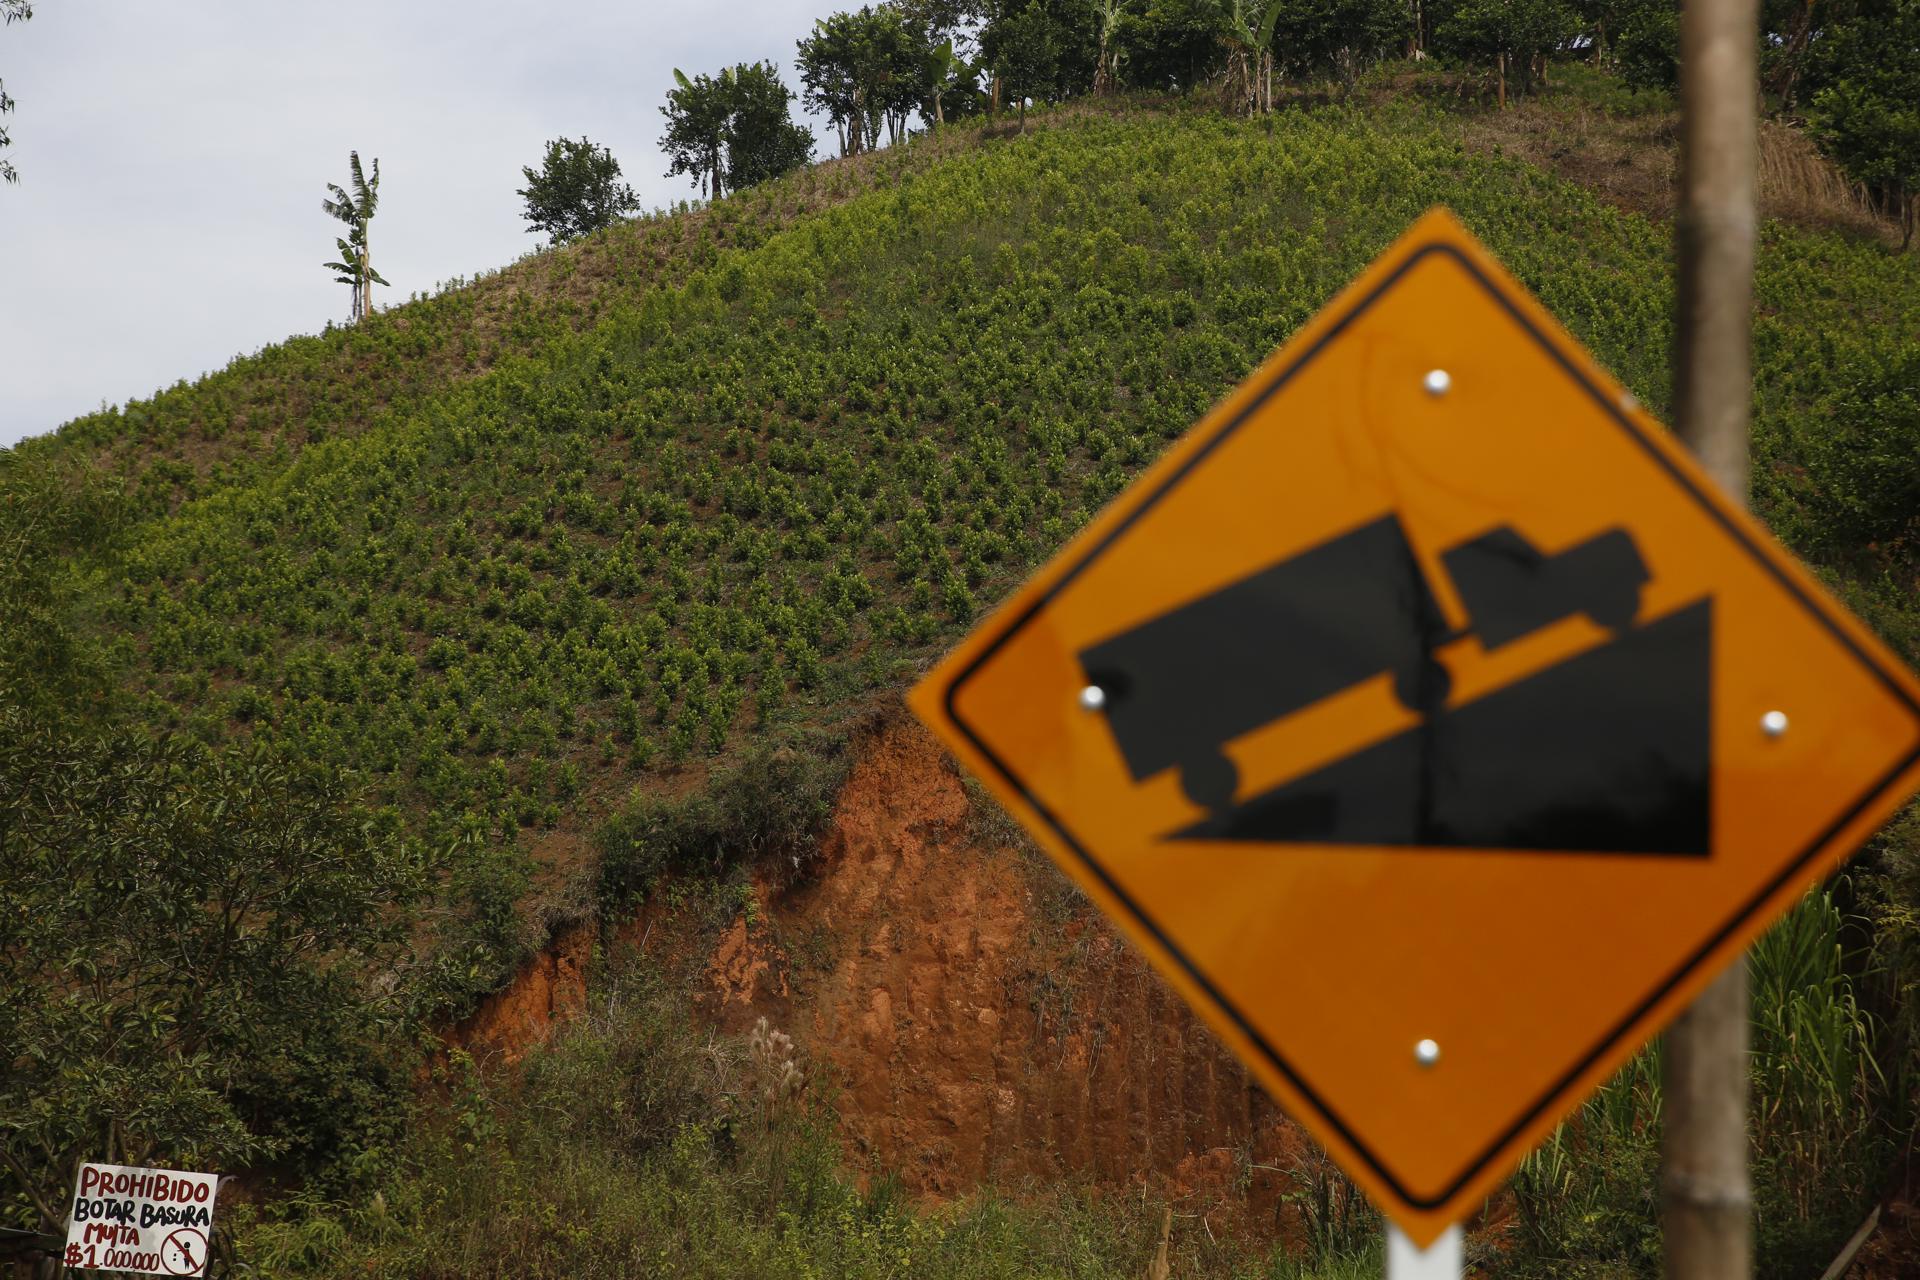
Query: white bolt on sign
[(156, 1222)]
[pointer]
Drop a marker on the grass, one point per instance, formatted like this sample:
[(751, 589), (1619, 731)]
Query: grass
[(1826, 1123), (640, 1144)]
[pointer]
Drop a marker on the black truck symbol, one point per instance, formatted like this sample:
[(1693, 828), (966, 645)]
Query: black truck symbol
[(1178, 688)]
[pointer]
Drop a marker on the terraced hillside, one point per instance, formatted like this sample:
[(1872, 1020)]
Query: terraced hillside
[(590, 570)]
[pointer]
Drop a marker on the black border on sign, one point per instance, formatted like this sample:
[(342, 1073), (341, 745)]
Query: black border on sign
[(1614, 1034)]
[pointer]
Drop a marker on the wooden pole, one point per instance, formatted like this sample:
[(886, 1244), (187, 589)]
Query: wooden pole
[(1706, 1197)]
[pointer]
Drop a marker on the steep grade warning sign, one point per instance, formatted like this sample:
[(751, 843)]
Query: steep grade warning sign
[(149, 1221), (1432, 723)]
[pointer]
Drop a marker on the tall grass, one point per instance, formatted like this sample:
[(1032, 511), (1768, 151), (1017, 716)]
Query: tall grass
[(638, 1144), (1820, 1124)]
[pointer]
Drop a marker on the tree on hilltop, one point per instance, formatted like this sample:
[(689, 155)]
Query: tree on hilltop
[(865, 70), (1509, 34), (732, 130), (577, 189), (1865, 107), (1046, 50), (356, 209), (1023, 48), (762, 140)]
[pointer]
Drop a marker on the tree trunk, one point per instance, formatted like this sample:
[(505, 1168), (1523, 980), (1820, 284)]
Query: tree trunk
[(1500, 70), (1790, 58), (993, 104)]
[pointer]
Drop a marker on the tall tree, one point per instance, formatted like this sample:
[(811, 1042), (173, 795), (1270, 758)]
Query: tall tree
[(938, 31), (697, 112), (1508, 33), (1336, 37), (1173, 44), (1022, 46), (733, 129), (353, 270), (945, 75), (1645, 42), (356, 208), (762, 140), (577, 189), (865, 70), (1249, 36), (12, 11), (1865, 106), (1046, 50), (1106, 67), (830, 77), (899, 69)]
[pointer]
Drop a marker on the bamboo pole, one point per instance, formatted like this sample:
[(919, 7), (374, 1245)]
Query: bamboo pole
[(1706, 1197)]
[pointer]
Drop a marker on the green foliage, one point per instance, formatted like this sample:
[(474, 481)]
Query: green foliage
[(641, 1144), (1172, 44), (1517, 31), (11, 11), (1045, 50), (1023, 46), (1825, 1124), (199, 962), (1847, 485), (356, 208), (865, 69), (1336, 37), (762, 142), (576, 190), (769, 808), (1647, 43), (732, 130), (1866, 101), (51, 508)]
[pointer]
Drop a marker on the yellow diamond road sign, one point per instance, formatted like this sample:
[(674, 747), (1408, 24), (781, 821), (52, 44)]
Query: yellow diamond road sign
[(1432, 723)]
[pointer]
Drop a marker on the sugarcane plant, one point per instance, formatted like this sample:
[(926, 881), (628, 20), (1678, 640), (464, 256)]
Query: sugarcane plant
[(355, 208)]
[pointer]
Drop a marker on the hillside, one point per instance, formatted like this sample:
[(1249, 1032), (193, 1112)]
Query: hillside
[(603, 572)]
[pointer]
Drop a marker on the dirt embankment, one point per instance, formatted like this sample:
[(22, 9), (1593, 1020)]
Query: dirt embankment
[(548, 991), (966, 1013)]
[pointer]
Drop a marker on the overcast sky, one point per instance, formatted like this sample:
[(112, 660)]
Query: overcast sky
[(173, 157)]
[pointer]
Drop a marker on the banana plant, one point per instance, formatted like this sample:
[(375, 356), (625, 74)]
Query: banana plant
[(1106, 66), (353, 270), (942, 73), (356, 209), (1249, 41)]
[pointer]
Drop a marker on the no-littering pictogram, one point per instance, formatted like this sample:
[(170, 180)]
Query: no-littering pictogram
[(1432, 723)]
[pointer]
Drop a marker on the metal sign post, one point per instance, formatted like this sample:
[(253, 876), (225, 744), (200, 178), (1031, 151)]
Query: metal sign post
[(1441, 1260)]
